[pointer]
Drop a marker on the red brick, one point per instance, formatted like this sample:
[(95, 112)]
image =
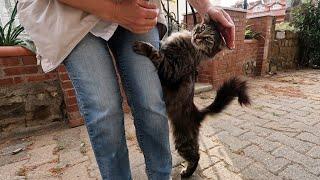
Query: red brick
[(71, 101), (67, 85), (41, 77), (70, 93), (62, 69), (72, 108), (52, 75), (7, 81), (20, 70), (9, 61), (34, 78), (74, 115), (64, 77), (18, 80), (75, 122), (29, 60)]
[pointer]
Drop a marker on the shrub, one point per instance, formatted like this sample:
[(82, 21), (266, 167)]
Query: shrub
[(250, 34), (284, 26), (9, 33), (306, 20)]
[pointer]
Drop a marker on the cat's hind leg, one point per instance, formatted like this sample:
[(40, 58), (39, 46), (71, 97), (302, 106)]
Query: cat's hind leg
[(189, 150), (148, 50)]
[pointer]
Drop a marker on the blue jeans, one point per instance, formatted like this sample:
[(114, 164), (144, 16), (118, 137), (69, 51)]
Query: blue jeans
[(93, 75)]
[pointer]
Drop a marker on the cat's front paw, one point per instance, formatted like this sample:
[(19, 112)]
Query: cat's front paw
[(138, 47)]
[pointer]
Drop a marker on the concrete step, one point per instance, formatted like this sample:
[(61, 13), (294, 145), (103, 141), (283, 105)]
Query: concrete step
[(202, 87)]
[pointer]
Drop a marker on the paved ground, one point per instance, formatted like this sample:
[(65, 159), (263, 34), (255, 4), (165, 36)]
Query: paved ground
[(278, 137)]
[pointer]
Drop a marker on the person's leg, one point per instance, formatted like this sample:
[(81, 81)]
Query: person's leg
[(144, 92), (92, 73)]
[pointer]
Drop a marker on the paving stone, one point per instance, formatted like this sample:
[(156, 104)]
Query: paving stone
[(227, 126), (205, 142), (260, 131), (239, 163), (139, 173), (312, 119), (296, 172), (254, 112), (274, 110), (234, 143), (296, 144), (312, 165), (311, 129), (314, 152), (206, 161), (254, 119), (232, 119), (210, 130), (9, 171), (72, 157), (135, 156), (276, 126), (309, 137), (78, 172), (93, 171), (222, 153), (272, 163), (42, 155), (69, 139), (84, 137), (219, 171), (41, 172), (40, 141), (263, 143), (259, 172)]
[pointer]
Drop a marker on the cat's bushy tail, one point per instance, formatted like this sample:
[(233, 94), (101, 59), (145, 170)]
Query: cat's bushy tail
[(230, 89)]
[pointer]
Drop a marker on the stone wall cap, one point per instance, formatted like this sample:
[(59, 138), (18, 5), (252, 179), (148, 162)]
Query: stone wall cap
[(260, 16), (249, 41), (225, 8), (10, 51)]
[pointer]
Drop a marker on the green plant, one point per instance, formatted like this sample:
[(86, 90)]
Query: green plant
[(284, 26), (9, 33), (306, 20), (250, 34)]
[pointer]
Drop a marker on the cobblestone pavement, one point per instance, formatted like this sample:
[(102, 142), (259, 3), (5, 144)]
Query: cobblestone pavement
[(278, 137)]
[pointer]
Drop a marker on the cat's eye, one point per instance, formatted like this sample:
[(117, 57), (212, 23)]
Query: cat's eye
[(203, 27)]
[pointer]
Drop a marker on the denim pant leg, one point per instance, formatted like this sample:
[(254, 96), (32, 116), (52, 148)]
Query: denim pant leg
[(92, 73), (144, 92)]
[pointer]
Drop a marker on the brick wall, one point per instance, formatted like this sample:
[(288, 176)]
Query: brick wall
[(284, 51), (265, 26), (18, 71), (249, 57)]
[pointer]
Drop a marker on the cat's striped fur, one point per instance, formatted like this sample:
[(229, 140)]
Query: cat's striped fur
[(177, 62)]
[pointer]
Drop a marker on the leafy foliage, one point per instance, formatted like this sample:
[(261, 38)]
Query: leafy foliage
[(306, 20), (250, 34), (9, 33), (284, 26)]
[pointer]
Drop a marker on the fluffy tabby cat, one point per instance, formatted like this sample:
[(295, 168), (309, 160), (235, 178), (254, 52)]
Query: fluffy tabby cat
[(177, 61)]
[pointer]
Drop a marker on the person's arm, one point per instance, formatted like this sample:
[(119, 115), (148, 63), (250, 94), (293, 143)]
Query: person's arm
[(227, 27), (138, 16)]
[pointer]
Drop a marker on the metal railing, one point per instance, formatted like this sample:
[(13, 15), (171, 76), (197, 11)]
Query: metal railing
[(175, 19)]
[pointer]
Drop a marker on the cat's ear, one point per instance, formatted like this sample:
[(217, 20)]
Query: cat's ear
[(206, 19)]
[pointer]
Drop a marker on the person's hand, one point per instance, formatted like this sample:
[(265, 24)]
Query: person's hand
[(226, 27), (138, 16)]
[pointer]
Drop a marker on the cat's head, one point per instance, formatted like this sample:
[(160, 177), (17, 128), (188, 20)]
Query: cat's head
[(207, 38)]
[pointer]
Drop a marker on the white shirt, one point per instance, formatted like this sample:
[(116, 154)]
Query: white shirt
[(104, 29)]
